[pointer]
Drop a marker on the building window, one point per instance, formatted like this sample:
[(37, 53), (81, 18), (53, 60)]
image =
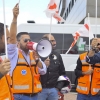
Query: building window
[(69, 8), (67, 12), (65, 16), (72, 3)]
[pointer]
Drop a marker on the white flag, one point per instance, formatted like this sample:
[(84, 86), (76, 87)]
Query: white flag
[(84, 31), (52, 10)]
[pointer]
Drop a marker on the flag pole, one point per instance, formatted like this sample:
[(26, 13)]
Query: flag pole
[(96, 20), (5, 28), (68, 50), (50, 25), (89, 29), (89, 44), (19, 2)]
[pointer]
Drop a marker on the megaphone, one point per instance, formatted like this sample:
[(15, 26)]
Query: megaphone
[(43, 47)]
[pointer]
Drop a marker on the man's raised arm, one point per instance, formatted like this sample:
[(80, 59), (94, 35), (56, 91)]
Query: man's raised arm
[(13, 27)]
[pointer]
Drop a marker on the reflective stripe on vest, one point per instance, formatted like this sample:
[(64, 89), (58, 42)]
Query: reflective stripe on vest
[(39, 86), (22, 87), (32, 61), (21, 60), (96, 89), (82, 88)]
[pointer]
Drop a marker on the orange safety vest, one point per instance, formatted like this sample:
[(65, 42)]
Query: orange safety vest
[(25, 77), (88, 83), (5, 90)]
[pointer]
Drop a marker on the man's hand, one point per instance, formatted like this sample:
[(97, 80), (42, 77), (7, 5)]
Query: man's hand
[(47, 62), (16, 10), (36, 57), (94, 42), (89, 72), (95, 47), (5, 67)]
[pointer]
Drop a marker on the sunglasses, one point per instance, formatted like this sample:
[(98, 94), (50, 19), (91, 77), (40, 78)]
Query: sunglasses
[(98, 44), (26, 40)]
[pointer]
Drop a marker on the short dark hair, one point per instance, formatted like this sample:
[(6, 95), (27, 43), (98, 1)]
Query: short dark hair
[(2, 29), (20, 34), (45, 36)]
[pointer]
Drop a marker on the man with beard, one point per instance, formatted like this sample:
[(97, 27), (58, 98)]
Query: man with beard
[(25, 69), (88, 73), (54, 70)]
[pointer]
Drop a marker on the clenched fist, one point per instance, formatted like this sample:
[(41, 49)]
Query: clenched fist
[(47, 62), (5, 67), (16, 11), (95, 42)]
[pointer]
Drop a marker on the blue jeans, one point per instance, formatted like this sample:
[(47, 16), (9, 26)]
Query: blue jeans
[(87, 97), (48, 94), (24, 97)]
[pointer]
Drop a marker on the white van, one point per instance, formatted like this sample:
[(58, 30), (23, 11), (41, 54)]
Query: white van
[(64, 38)]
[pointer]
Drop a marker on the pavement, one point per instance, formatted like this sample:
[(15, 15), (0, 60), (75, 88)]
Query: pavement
[(70, 96)]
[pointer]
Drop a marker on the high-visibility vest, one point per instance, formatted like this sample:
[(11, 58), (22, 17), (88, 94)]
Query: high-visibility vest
[(25, 77), (96, 79), (5, 90), (85, 84)]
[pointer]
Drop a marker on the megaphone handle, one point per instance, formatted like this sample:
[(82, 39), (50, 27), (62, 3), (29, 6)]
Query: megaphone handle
[(36, 65), (35, 70), (37, 62)]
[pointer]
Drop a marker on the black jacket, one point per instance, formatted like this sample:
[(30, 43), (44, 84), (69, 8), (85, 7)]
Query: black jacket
[(78, 70), (56, 68)]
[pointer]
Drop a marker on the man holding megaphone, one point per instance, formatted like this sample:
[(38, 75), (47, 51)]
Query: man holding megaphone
[(54, 70), (26, 66)]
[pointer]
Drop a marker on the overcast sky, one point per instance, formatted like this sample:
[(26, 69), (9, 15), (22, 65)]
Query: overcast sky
[(29, 10)]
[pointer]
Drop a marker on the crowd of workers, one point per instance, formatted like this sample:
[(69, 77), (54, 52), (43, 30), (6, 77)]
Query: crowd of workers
[(24, 75)]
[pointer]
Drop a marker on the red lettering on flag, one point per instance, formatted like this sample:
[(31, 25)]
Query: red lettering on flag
[(86, 26), (53, 6)]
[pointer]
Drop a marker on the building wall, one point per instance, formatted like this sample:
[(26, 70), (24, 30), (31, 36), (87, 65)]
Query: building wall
[(75, 11), (91, 8)]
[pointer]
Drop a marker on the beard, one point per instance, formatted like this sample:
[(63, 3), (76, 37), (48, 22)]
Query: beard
[(24, 48), (54, 47)]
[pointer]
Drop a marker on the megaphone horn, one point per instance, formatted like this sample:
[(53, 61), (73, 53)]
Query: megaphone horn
[(43, 47)]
